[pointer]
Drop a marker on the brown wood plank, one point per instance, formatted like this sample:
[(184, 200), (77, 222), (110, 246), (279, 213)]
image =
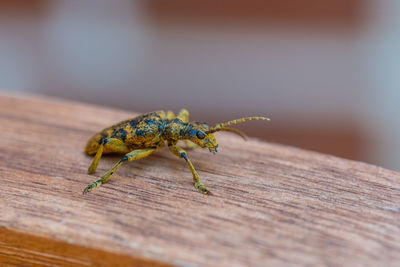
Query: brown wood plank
[(272, 204)]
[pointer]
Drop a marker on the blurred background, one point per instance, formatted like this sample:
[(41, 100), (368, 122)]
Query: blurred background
[(326, 72)]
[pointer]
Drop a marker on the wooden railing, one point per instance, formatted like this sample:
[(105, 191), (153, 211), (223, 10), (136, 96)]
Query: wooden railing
[(271, 204)]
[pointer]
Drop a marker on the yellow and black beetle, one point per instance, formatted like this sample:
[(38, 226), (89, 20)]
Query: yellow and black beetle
[(139, 137)]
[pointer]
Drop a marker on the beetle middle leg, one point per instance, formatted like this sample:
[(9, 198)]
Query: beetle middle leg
[(170, 115), (177, 151), (131, 156), (108, 145), (183, 115)]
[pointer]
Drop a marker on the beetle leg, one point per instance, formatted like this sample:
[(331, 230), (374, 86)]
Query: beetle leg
[(131, 156), (108, 145), (170, 115), (177, 151), (183, 115), (191, 145), (96, 159)]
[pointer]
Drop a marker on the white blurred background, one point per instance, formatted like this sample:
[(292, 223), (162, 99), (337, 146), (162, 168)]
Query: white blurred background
[(326, 72)]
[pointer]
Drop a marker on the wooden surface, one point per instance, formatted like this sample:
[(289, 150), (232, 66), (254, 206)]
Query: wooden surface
[(272, 204)]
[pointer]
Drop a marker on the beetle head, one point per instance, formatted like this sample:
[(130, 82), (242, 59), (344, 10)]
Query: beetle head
[(199, 134)]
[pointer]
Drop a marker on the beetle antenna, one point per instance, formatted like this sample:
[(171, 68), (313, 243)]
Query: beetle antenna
[(224, 126)]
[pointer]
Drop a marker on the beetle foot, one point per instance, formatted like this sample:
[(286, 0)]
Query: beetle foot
[(202, 188), (92, 186)]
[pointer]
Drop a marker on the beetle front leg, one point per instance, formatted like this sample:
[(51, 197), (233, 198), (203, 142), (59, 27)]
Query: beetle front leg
[(182, 154), (131, 156), (191, 145)]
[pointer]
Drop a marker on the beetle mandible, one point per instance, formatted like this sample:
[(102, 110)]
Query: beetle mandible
[(139, 137)]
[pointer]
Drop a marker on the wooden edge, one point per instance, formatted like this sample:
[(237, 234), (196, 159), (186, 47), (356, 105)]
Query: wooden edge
[(23, 248)]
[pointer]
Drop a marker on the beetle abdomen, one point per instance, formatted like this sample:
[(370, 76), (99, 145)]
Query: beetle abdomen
[(140, 132)]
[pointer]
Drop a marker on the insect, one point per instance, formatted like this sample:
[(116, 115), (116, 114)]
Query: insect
[(139, 137)]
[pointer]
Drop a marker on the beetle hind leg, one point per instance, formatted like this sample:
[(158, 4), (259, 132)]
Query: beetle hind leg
[(131, 156), (96, 159), (107, 146)]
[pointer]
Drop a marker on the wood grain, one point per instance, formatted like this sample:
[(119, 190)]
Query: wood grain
[(272, 204)]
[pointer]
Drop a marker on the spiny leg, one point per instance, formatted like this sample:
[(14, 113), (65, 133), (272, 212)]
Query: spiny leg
[(131, 156), (109, 145), (182, 153)]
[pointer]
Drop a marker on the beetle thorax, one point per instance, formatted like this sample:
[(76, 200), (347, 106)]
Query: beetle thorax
[(175, 129)]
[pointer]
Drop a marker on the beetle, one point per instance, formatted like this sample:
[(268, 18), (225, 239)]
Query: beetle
[(139, 137)]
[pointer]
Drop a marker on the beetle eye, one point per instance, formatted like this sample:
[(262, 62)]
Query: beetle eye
[(200, 135)]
